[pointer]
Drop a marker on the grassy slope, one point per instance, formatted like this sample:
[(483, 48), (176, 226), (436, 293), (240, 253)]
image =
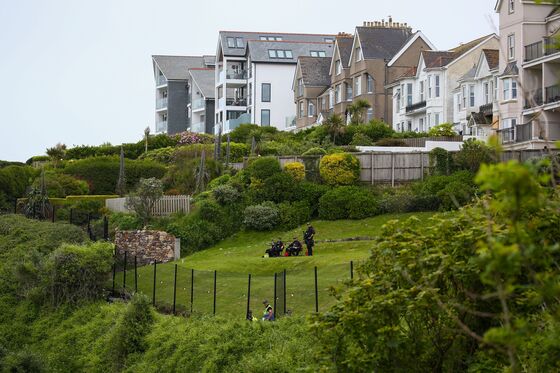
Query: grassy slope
[(237, 256)]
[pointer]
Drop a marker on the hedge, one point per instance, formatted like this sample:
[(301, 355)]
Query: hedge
[(340, 169), (296, 170), (348, 202)]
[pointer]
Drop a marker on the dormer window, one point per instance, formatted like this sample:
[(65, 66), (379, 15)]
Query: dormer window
[(329, 40), (318, 53), (234, 42), (279, 53), (359, 55), (271, 38), (338, 67), (511, 6)]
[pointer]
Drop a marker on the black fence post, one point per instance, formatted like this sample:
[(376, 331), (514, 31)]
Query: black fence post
[(175, 289), (316, 292), (90, 233), (15, 206), (124, 271), (114, 270), (154, 288), (53, 213), (275, 278), (351, 270), (192, 289), (214, 308), (248, 295), (135, 274), (71, 215), (105, 228), (284, 279)]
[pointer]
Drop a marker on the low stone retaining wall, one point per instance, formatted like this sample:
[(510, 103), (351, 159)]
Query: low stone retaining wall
[(147, 246)]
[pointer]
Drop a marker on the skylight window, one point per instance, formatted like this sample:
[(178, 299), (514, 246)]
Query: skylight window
[(280, 53), (318, 53)]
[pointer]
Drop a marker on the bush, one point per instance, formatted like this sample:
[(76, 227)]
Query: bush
[(263, 168), (391, 142), (296, 170), (441, 162), (444, 129), (449, 190), (14, 183), (74, 274), (102, 173), (277, 188), (181, 175), (220, 180), (226, 194), (263, 217), (340, 169), (144, 198), (195, 233), (315, 151), (294, 214), (473, 154), (61, 185), (312, 193), (347, 203), (162, 155), (361, 139)]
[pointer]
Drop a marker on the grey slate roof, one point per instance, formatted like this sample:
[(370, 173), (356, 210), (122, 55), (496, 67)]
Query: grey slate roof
[(315, 71), (381, 42), (209, 60), (511, 69), (176, 67), (345, 49), (469, 75), (246, 36), (258, 50), (204, 79)]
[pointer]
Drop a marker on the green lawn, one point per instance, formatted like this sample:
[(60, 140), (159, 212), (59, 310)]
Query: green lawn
[(241, 254)]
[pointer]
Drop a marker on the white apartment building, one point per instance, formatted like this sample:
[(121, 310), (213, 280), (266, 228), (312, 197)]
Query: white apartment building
[(475, 98), (423, 97), (254, 72), (528, 89)]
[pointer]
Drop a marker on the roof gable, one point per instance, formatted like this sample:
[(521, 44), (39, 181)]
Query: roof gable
[(315, 71), (204, 79), (382, 42), (417, 35), (176, 67)]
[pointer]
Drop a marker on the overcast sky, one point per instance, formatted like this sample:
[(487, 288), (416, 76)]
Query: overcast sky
[(80, 71)]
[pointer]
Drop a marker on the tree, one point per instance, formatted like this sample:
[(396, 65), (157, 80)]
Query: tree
[(335, 126), (444, 129), (38, 205), (57, 153), (146, 136), (357, 111), (144, 199), (121, 182)]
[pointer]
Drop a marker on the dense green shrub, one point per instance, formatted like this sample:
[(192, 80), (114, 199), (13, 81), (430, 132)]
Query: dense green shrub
[(261, 217), (296, 170), (22, 361), (315, 151), (390, 142), (444, 129), (312, 193), (220, 180), (340, 169), (61, 185), (361, 139), (441, 162), (373, 131), (195, 233), (277, 188), (162, 155), (101, 173), (472, 155), (75, 274), (14, 183), (263, 168), (347, 202), (458, 188), (226, 194), (182, 174), (294, 214)]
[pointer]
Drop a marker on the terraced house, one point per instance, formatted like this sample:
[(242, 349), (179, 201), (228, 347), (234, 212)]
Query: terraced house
[(361, 67), (529, 91), (174, 92), (254, 72), (424, 95)]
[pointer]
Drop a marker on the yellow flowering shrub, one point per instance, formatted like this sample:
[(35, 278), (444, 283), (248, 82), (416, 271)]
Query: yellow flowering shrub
[(340, 169)]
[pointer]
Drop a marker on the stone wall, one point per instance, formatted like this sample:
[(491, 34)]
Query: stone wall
[(147, 246)]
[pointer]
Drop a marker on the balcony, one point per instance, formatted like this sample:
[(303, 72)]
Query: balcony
[(161, 103), (161, 127), (416, 106), (550, 46), (199, 127), (534, 51), (291, 121), (161, 80), (523, 132), (236, 102), (507, 135), (198, 104), (487, 109), (232, 124), (237, 74), (534, 99), (552, 94)]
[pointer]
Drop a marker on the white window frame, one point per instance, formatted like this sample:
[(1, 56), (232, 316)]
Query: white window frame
[(338, 67), (359, 55), (357, 85), (511, 46), (511, 6), (370, 79), (463, 97), (310, 108), (422, 93), (509, 89), (337, 95), (437, 85), (472, 97), (429, 86), (409, 97), (349, 91)]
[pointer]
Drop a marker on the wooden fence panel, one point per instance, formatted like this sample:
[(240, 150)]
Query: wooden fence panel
[(167, 205)]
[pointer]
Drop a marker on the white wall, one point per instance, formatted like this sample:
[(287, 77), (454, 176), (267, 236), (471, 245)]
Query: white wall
[(281, 103)]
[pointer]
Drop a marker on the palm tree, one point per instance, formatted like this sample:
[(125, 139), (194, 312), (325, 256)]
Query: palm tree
[(335, 126), (357, 111)]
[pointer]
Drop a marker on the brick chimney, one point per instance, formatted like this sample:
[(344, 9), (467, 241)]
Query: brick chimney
[(387, 24)]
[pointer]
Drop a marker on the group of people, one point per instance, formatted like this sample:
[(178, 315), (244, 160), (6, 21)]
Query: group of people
[(295, 248), (268, 314)]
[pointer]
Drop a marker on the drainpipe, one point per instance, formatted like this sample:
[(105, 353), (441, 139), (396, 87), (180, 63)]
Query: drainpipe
[(386, 101)]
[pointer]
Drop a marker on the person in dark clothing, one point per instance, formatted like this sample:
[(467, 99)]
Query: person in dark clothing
[(309, 239), (279, 247), (294, 249), (271, 251), (268, 314)]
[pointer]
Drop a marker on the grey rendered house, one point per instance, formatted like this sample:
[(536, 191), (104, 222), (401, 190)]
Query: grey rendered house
[(173, 91)]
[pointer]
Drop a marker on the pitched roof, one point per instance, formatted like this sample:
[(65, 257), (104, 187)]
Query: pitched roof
[(315, 71), (258, 50), (434, 59), (511, 69), (469, 75), (410, 73), (204, 79), (465, 47), (492, 57), (252, 35), (382, 42), (176, 67), (345, 49)]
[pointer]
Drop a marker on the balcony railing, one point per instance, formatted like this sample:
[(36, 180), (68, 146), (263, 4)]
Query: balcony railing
[(161, 103), (237, 74), (534, 51), (236, 102), (161, 80), (199, 103), (199, 127), (416, 106), (552, 94), (161, 126), (534, 99), (550, 46), (291, 121), (486, 109), (232, 124), (507, 135), (523, 132)]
